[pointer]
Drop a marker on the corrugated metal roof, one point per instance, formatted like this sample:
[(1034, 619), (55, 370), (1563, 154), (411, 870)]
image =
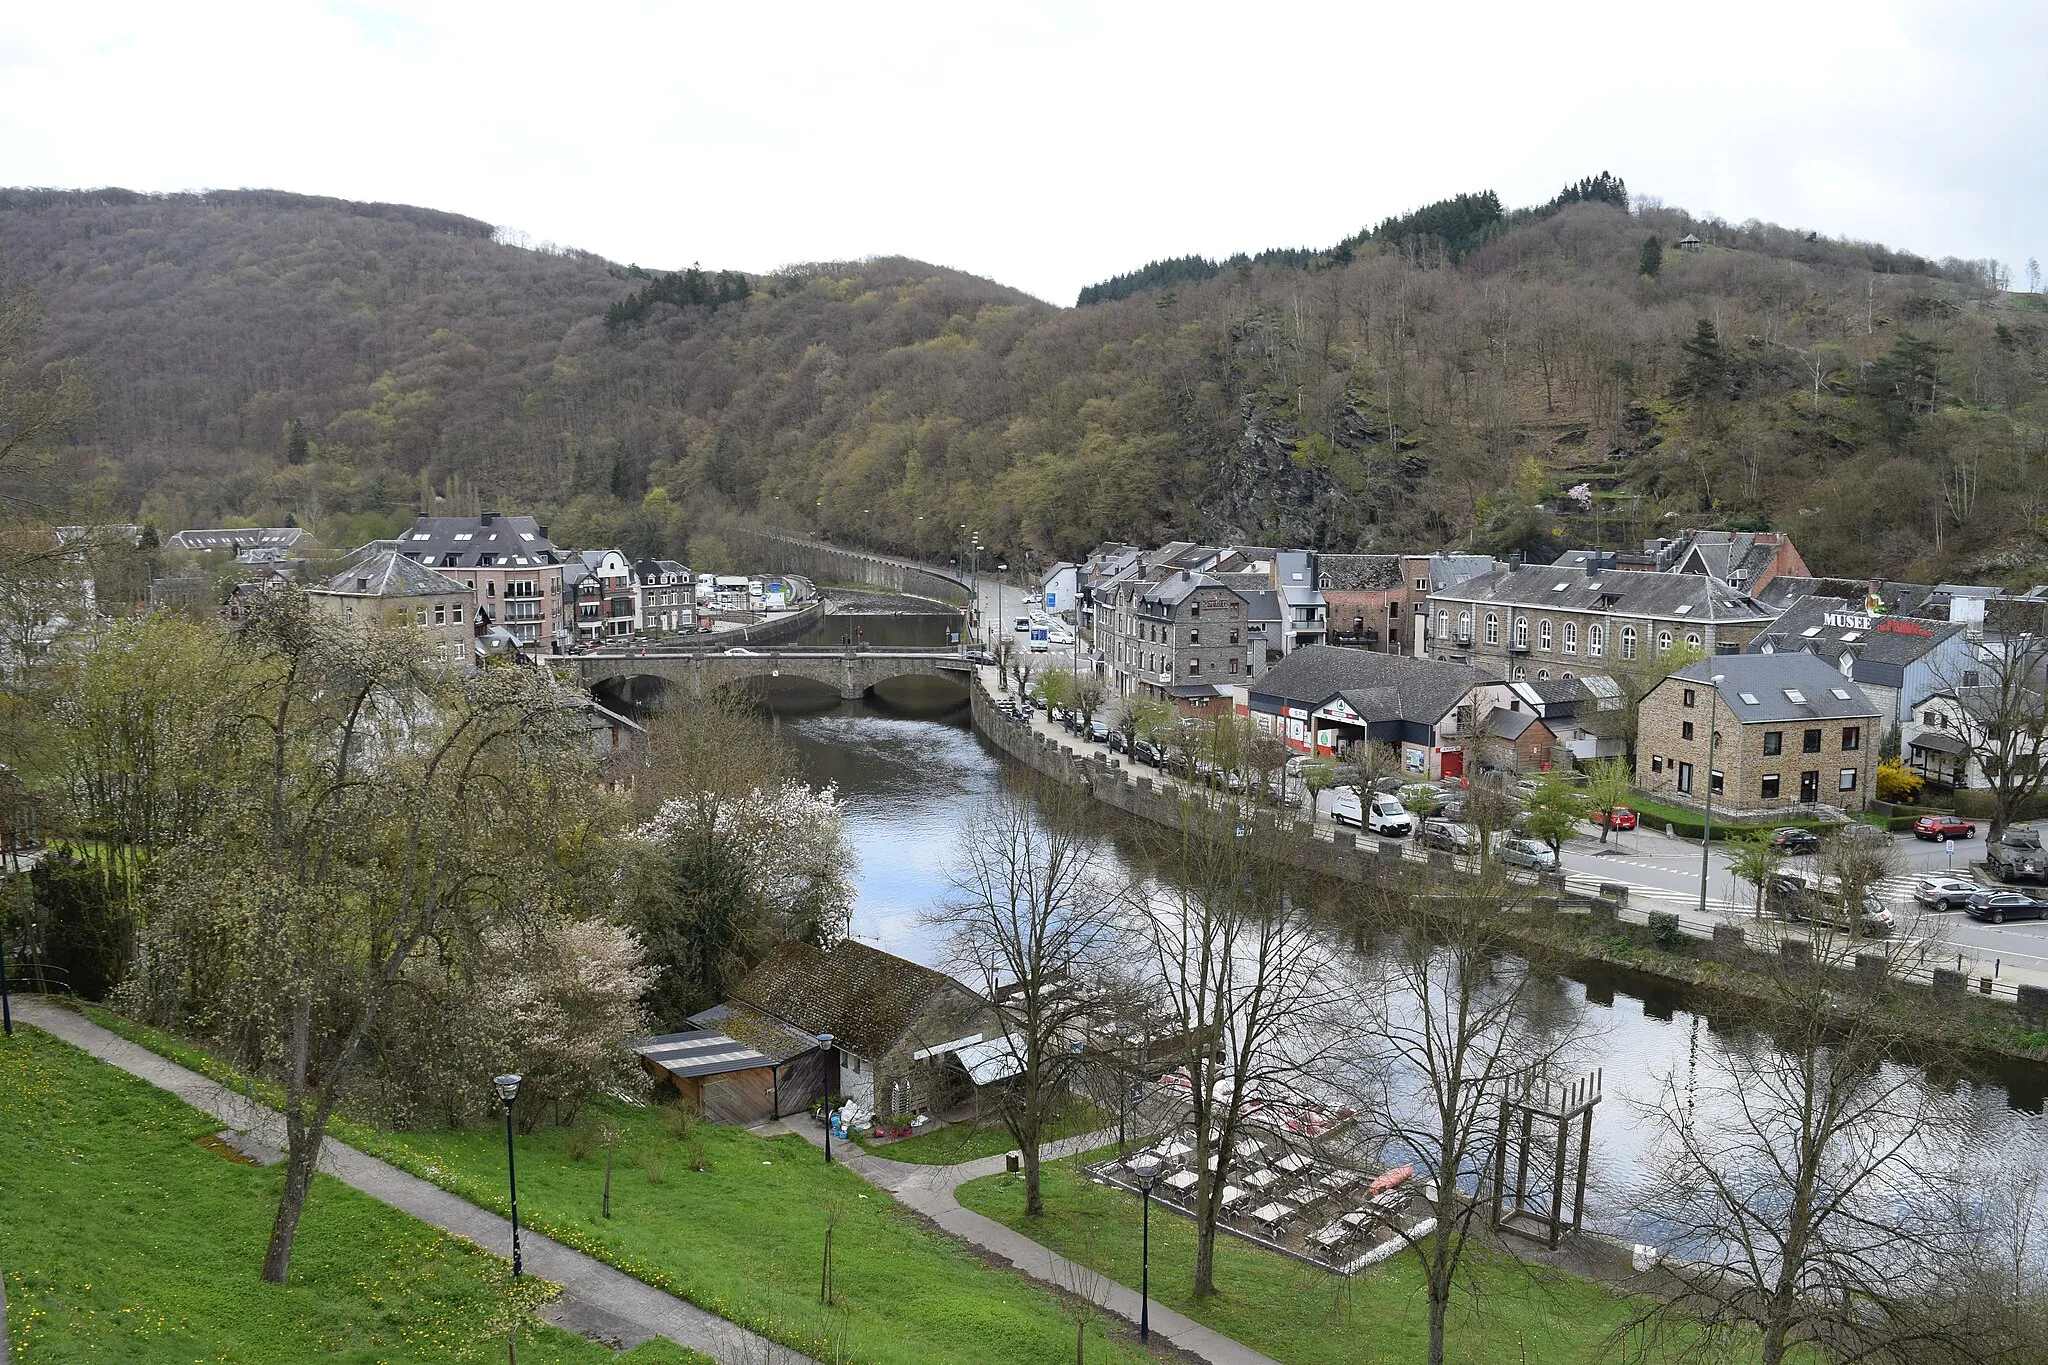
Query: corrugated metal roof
[(700, 1053)]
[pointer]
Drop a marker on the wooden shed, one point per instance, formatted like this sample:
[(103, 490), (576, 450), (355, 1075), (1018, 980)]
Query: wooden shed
[(730, 1081)]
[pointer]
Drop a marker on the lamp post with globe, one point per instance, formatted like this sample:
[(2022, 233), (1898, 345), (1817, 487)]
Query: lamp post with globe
[(507, 1087)]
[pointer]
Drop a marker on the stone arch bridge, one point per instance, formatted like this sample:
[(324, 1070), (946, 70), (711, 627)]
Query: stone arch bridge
[(851, 672)]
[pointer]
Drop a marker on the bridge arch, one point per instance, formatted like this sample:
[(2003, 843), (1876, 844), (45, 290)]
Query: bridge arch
[(850, 672)]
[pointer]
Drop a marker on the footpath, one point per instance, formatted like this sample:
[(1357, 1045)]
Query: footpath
[(931, 1191), (596, 1299)]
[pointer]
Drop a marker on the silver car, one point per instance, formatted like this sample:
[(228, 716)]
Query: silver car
[(1528, 853)]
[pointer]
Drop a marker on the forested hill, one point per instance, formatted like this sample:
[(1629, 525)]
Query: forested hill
[(1562, 380)]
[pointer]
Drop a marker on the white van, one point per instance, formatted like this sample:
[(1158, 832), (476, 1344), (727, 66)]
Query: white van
[(1344, 807), (1386, 815)]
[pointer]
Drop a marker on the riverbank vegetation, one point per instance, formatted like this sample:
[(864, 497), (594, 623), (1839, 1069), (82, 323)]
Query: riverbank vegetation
[(133, 1234)]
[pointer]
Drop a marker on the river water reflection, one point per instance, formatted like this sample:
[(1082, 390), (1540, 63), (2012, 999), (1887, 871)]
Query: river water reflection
[(910, 771)]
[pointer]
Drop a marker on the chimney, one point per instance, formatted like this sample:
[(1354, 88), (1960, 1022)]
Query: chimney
[(544, 533), (1185, 575), (1515, 560), (489, 517)]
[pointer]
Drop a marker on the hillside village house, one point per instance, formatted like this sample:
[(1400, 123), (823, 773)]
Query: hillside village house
[(1792, 730), (668, 596), (510, 567), (1562, 622), (240, 540), (600, 589), (1324, 698), (1897, 660), (1181, 640), (1381, 601), (383, 587), (887, 1016), (1745, 560)]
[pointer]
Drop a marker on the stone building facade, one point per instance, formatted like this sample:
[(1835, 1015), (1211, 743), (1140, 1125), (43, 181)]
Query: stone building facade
[(1181, 639), (1791, 731)]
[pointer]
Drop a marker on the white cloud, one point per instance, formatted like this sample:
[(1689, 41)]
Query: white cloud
[(1047, 145)]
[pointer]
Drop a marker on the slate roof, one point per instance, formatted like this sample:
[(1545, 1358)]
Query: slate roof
[(1261, 608), (1726, 553), (1887, 640), (1502, 723), (1655, 595), (1906, 599), (387, 573), (1446, 571), (1359, 573), (1173, 591), (1391, 686), (1822, 692), (490, 541), (865, 998)]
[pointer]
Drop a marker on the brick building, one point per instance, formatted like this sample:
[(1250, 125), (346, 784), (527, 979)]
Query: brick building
[(1792, 730), (507, 563)]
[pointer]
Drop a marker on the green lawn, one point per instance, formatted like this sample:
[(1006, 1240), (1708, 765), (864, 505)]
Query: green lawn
[(743, 1239), (966, 1141), (1300, 1315), (125, 1240)]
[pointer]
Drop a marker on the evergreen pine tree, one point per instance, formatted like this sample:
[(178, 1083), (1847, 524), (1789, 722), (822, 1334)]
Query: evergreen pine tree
[(1652, 259), (296, 447), (1706, 369), (622, 478)]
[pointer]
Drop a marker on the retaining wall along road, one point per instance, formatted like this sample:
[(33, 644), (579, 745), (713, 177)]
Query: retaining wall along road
[(825, 563), (1552, 905)]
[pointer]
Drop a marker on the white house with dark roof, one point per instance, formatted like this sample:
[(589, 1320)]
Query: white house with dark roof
[(1321, 699)]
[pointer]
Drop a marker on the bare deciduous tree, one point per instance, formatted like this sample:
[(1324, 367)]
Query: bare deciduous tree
[(1457, 1023), (1997, 704), (1032, 923), (1242, 975)]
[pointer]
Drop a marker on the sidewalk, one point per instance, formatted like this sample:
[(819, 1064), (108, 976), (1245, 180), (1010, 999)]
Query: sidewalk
[(594, 1295), (930, 1191)]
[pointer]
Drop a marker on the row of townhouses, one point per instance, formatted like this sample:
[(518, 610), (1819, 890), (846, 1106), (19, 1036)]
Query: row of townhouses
[(1442, 655)]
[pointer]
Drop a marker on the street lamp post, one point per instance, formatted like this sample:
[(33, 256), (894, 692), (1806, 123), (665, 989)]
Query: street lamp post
[(508, 1091), (825, 1044), (1713, 736), (1146, 1169)]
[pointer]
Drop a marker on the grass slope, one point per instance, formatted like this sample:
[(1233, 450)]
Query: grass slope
[(1300, 1315), (968, 1141), (125, 1240)]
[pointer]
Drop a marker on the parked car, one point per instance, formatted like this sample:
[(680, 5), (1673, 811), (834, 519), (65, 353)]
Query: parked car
[(1448, 835), (744, 653), (2000, 906), (1793, 841), (1454, 811), (1116, 741), (1621, 817), (1023, 626), (1424, 798), (980, 656), (1935, 828), (1857, 832), (1528, 853), (1944, 892), (1343, 805), (1803, 896), (1098, 730), (1145, 751)]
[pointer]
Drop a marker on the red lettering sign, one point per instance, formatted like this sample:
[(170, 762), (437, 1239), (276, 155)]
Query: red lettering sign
[(1898, 626)]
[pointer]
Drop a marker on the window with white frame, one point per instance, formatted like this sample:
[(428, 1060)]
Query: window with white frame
[(1571, 637), (1465, 624), (1628, 642), (1521, 632), (1492, 628), (1543, 635), (1596, 640), (1663, 641)]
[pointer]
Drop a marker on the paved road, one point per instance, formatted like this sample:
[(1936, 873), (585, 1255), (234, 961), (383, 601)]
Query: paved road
[(594, 1295)]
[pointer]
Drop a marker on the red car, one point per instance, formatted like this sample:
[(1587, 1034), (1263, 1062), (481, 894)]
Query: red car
[(1621, 817), (1942, 827)]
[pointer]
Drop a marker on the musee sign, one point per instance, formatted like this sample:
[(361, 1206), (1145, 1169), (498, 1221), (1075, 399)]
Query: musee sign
[(1890, 625)]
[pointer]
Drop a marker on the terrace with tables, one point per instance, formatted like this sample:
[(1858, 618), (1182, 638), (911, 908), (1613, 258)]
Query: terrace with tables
[(1299, 1203)]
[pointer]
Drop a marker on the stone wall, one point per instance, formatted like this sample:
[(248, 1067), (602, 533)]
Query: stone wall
[(763, 550)]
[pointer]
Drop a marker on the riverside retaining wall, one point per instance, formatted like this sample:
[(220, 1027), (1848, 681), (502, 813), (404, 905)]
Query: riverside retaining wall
[(761, 548)]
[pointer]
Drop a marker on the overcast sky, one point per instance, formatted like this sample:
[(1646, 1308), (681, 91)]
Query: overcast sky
[(1047, 145)]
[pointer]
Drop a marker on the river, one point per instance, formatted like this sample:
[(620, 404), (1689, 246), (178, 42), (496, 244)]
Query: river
[(909, 770)]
